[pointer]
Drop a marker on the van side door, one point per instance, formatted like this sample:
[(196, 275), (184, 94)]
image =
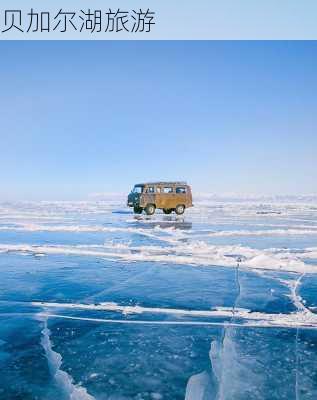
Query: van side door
[(148, 196), (168, 197)]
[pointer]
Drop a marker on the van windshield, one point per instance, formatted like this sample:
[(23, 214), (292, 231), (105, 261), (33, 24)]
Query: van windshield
[(137, 189)]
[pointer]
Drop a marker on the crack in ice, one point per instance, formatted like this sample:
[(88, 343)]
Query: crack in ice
[(226, 344), (62, 378)]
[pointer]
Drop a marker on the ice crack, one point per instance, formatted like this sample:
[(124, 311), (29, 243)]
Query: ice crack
[(62, 378)]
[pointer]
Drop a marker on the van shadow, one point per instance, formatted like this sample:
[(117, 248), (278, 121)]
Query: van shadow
[(164, 223)]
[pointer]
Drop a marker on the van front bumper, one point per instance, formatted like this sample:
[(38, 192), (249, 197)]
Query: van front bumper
[(133, 203), (133, 200)]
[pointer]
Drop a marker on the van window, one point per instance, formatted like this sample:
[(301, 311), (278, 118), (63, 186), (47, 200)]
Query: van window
[(180, 190), (168, 190), (138, 189), (150, 189)]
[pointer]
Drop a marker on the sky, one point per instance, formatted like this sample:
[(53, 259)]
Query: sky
[(78, 118)]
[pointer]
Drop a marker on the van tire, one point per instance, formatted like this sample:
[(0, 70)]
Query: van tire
[(137, 210), (180, 209), (150, 209), (167, 210)]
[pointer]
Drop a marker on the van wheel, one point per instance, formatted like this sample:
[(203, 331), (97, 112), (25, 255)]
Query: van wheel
[(137, 210), (167, 210), (150, 209), (180, 208)]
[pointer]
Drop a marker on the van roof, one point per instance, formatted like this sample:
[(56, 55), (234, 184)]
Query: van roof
[(162, 183)]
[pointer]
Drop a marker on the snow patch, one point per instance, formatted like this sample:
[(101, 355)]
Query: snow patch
[(299, 318), (195, 254)]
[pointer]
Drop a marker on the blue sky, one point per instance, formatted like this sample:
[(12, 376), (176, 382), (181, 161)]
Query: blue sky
[(230, 117)]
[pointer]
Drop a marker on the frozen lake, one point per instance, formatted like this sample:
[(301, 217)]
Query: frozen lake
[(96, 303)]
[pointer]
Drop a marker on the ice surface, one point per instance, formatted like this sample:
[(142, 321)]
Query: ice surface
[(219, 304)]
